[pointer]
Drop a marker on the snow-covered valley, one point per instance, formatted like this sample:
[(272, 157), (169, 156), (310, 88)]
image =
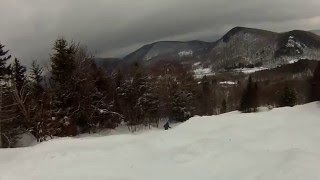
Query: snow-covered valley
[(281, 144)]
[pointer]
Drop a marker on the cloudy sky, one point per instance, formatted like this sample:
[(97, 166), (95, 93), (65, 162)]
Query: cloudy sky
[(112, 28)]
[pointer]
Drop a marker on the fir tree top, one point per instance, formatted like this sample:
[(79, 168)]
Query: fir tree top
[(4, 57)]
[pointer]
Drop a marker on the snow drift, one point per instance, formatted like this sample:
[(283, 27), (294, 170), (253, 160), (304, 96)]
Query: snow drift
[(279, 144)]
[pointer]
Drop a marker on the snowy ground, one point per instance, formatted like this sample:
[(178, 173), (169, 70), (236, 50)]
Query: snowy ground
[(200, 72), (250, 70), (280, 144)]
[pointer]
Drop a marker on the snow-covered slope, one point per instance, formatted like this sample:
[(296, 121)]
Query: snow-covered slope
[(245, 46), (280, 144)]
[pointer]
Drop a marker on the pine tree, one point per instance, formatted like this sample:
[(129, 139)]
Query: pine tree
[(148, 104), (249, 100), (64, 97), (206, 96), (39, 105), (4, 57), (18, 74), (205, 84), (20, 90), (3, 72), (224, 106), (36, 79), (62, 61), (166, 87), (127, 101), (315, 84), (129, 94), (181, 106), (9, 128), (288, 97)]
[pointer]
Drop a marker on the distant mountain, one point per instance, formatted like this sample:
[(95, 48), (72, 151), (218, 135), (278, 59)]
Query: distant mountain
[(170, 50), (240, 47), (316, 32), (254, 47)]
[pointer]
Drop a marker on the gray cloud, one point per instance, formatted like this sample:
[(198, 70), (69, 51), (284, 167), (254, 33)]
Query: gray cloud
[(115, 27)]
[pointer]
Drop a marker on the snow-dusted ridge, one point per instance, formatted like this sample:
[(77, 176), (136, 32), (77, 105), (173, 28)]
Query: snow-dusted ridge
[(240, 45)]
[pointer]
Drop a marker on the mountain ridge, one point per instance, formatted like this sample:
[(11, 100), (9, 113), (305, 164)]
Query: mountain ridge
[(240, 45)]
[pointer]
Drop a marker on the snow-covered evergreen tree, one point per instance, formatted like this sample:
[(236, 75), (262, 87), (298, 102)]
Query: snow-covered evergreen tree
[(9, 129), (182, 107), (288, 97), (62, 70), (149, 104)]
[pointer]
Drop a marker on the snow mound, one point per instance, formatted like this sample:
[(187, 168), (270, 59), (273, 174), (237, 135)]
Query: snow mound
[(278, 144), (26, 139)]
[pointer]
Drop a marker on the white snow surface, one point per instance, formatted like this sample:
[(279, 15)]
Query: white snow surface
[(293, 43), (185, 53), (26, 139), (281, 144), (200, 72), (250, 70), (228, 83)]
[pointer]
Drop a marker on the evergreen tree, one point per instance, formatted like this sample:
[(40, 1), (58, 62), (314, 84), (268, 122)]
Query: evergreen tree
[(3, 72), (315, 86), (206, 97), (129, 94), (249, 100), (18, 74), (19, 90), (181, 106), (166, 87), (4, 57), (288, 97), (64, 90), (93, 95), (39, 105), (224, 106), (205, 84), (148, 104), (62, 61), (118, 78), (9, 127), (36, 79)]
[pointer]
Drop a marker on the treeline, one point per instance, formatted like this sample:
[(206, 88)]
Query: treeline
[(75, 96)]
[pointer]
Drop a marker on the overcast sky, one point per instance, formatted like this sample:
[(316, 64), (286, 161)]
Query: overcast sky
[(112, 28)]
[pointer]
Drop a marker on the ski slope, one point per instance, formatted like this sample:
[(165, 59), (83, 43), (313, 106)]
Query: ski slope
[(282, 144)]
